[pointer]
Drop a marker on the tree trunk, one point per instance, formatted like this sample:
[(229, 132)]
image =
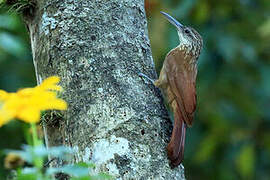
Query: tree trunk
[(115, 118)]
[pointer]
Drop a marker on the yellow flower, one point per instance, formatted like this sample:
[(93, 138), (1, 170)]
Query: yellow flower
[(26, 104)]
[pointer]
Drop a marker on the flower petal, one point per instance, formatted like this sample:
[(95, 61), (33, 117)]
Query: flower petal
[(29, 115)]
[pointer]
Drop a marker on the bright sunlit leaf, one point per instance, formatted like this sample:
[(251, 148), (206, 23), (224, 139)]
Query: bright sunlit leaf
[(245, 161)]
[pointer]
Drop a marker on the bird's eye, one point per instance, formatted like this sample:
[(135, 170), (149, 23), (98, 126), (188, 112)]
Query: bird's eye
[(187, 31)]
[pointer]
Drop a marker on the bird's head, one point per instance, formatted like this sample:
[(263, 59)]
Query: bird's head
[(189, 38)]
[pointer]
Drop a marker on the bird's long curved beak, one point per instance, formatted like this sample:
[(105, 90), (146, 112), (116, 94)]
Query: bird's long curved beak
[(172, 20)]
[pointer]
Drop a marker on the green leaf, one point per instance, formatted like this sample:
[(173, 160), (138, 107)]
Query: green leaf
[(264, 29), (81, 178), (202, 12), (2, 2), (84, 164), (79, 171), (27, 177), (11, 44), (245, 161), (60, 152), (27, 174), (72, 170), (7, 21), (206, 149), (101, 176)]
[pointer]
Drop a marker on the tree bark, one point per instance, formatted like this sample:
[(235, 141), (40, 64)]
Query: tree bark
[(115, 118)]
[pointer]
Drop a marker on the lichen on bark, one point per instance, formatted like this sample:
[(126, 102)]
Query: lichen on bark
[(115, 119)]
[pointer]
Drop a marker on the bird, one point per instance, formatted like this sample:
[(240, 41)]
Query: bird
[(177, 80)]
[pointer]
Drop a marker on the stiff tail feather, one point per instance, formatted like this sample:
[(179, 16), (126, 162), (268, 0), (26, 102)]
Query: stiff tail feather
[(176, 145)]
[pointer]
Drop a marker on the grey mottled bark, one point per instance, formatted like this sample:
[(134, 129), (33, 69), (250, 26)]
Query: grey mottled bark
[(115, 119)]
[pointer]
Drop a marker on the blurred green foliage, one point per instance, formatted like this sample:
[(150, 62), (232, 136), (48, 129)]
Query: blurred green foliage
[(230, 138), (35, 156), (16, 71), (230, 135)]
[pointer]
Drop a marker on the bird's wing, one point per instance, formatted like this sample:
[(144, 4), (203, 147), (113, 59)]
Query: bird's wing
[(182, 85)]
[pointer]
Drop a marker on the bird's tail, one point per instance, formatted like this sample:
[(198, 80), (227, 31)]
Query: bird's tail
[(177, 143)]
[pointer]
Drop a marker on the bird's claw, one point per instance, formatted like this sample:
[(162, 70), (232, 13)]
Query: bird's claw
[(145, 76)]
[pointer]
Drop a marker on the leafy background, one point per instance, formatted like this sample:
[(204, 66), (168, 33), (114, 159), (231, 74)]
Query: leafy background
[(230, 138)]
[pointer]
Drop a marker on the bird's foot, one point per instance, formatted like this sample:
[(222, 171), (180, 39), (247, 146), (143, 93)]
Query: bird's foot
[(181, 166), (146, 77)]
